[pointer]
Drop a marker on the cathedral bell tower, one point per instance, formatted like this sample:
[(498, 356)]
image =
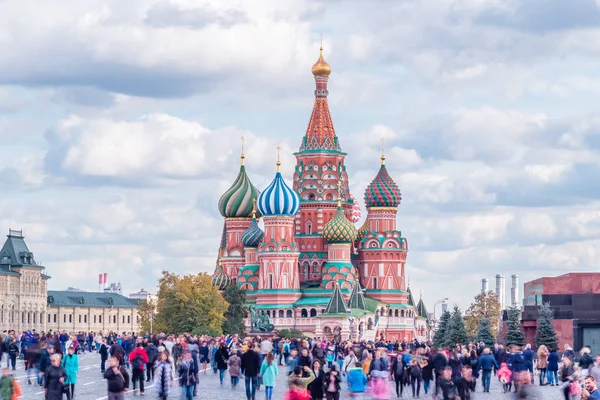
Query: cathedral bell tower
[(319, 169)]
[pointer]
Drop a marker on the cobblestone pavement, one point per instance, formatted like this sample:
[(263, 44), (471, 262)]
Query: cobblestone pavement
[(91, 386)]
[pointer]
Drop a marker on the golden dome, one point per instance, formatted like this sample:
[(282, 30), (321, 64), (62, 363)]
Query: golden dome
[(321, 68)]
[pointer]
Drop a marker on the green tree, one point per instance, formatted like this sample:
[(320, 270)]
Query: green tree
[(545, 333), (514, 335), (486, 305), (456, 333), (484, 333), (290, 334), (439, 338), (146, 310), (189, 303), (236, 312)]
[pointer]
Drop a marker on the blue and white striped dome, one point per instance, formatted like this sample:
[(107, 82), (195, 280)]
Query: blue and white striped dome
[(278, 199)]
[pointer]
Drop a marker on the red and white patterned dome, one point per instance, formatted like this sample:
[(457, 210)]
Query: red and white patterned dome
[(355, 213)]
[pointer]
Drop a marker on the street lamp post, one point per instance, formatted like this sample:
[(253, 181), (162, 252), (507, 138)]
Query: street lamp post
[(151, 319), (434, 306)]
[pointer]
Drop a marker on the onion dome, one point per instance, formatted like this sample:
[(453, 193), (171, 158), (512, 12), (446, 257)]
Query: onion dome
[(355, 212), (339, 229), (362, 231), (253, 235), (321, 68), (220, 278), (236, 202), (383, 191), (278, 198)]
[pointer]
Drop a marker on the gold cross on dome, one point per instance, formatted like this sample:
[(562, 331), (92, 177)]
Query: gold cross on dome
[(242, 156), (278, 155), (382, 150), (321, 41)]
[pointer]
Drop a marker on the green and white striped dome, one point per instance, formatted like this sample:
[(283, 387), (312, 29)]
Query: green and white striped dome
[(236, 202)]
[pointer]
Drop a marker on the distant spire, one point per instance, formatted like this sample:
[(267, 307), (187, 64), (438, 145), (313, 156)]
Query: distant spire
[(382, 151), (242, 156), (339, 185), (278, 159), (254, 208)]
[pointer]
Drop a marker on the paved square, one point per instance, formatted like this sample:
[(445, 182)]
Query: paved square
[(91, 386)]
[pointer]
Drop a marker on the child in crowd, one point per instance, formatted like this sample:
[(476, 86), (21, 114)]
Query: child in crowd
[(357, 381), (504, 374), (295, 392)]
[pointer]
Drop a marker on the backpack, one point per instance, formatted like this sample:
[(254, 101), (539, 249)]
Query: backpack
[(137, 362)]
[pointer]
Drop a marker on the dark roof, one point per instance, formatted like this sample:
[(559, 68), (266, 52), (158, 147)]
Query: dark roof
[(422, 310), (411, 301), (15, 252), (336, 305), (67, 298), (357, 298)]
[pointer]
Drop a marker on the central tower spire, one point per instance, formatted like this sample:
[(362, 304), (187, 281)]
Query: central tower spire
[(320, 134)]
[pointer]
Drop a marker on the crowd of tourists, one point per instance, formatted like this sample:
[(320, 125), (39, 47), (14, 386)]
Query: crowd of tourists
[(314, 369)]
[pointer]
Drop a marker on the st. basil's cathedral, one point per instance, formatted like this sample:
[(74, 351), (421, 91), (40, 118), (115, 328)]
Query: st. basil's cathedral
[(310, 268)]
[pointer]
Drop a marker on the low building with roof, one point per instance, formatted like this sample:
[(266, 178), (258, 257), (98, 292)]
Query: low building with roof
[(91, 311), (23, 286)]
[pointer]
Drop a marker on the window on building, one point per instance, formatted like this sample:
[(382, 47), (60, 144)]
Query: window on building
[(85, 319), (22, 318), (49, 318), (70, 318), (34, 318), (100, 319), (313, 312), (64, 317), (94, 319), (129, 319), (114, 319), (79, 318), (304, 313), (55, 318), (288, 314), (123, 319), (137, 319), (375, 283), (270, 281), (280, 314)]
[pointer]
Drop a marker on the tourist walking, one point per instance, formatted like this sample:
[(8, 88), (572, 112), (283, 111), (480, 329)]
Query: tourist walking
[(187, 376), (7, 388), (54, 379), (542, 363), (316, 387), (250, 369), (163, 376), (138, 360), (117, 380), (553, 367), (487, 362), (378, 374), (103, 351), (221, 357), (268, 374), (70, 363), (332, 383), (151, 352), (397, 372), (234, 363)]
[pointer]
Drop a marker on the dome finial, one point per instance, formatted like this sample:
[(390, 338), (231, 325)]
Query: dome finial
[(339, 185), (382, 151), (242, 156), (321, 68), (278, 160), (254, 208)]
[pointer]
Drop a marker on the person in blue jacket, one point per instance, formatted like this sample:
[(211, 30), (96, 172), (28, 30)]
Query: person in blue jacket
[(357, 380), (486, 363), (553, 368)]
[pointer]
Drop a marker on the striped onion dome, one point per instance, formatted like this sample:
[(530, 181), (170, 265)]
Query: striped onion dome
[(355, 212), (253, 235), (339, 229), (383, 191), (278, 199), (220, 278), (236, 202)]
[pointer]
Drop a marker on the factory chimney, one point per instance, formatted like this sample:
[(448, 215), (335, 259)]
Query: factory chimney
[(484, 285), (501, 291), (514, 291), (100, 282)]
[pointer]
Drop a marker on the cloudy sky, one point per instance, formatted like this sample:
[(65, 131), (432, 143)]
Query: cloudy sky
[(121, 122)]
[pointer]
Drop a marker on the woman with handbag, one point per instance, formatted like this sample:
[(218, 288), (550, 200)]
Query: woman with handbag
[(542, 363), (567, 376), (117, 379), (54, 379), (70, 363)]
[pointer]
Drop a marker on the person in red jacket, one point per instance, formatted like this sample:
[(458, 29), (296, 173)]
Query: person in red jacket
[(138, 360)]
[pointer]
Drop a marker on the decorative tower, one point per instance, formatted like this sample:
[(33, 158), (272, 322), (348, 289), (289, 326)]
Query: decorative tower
[(236, 206), (278, 253), (319, 169), (340, 235), (382, 249), (248, 276), (219, 278)]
